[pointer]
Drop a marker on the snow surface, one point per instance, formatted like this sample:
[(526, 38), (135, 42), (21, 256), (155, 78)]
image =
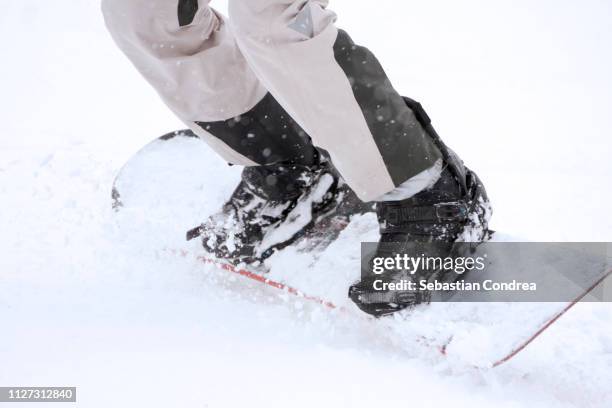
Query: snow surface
[(520, 90)]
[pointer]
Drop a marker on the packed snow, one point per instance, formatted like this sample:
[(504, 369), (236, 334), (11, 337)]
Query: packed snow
[(90, 298)]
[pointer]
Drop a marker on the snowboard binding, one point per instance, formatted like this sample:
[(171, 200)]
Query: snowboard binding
[(273, 207), (456, 209)]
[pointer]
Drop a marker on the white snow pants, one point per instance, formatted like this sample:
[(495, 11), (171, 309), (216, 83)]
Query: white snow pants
[(273, 75)]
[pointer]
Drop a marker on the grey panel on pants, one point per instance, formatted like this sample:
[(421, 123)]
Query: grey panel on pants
[(405, 146), (266, 135), (187, 10)]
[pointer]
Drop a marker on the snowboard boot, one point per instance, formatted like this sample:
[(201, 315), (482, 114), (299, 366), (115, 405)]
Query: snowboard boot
[(430, 224), (272, 207)]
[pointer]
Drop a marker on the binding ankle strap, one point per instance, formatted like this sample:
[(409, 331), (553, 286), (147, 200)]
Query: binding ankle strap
[(398, 215)]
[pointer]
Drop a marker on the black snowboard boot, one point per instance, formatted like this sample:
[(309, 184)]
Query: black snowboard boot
[(272, 207), (455, 209)]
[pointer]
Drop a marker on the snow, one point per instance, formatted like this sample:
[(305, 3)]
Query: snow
[(473, 335), (299, 217), (520, 89)]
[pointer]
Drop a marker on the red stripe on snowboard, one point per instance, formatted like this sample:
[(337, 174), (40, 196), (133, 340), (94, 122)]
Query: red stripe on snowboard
[(261, 279), (550, 322)]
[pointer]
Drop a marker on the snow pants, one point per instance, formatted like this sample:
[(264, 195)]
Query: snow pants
[(273, 80)]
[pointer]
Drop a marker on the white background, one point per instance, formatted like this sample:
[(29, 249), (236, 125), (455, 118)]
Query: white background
[(520, 89)]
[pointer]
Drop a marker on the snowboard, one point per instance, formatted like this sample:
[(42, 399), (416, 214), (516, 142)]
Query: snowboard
[(176, 182)]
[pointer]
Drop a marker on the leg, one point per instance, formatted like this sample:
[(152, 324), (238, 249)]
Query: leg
[(383, 145), (188, 54), (337, 92), (186, 51)]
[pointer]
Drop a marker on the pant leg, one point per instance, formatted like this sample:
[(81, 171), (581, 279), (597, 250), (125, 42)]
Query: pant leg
[(337, 91), (186, 51)]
